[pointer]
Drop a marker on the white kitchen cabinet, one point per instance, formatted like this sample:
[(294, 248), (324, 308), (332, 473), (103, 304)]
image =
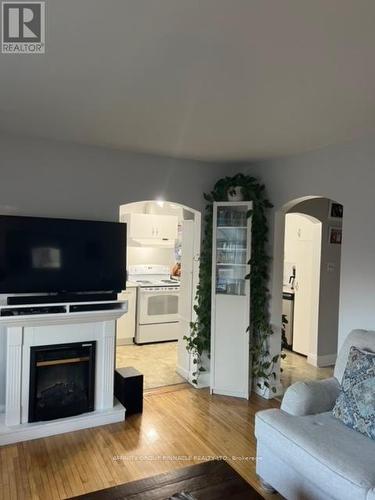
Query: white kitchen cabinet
[(166, 226), (125, 326), (230, 311), (151, 226), (139, 226)]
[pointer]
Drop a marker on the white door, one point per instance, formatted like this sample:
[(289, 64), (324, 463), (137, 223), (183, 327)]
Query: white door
[(189, 281), (302, 297), (302, 243), (186, 296)]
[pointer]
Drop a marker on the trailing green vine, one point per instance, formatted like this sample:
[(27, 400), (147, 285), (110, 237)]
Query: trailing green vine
[(263, 367)]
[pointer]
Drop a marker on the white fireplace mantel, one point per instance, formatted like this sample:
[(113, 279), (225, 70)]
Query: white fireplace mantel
[(25, 331)]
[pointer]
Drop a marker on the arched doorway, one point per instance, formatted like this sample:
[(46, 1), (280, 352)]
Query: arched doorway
[(173, 244), (317, 233)]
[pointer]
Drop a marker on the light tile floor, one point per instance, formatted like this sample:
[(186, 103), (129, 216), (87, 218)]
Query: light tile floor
[(157, 362), (296, 368)]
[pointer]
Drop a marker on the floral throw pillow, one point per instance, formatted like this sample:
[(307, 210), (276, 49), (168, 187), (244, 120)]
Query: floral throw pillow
[(355, 406)]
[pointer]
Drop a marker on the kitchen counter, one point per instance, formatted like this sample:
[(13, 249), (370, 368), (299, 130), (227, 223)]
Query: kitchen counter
[(131, 284), (126, 325)]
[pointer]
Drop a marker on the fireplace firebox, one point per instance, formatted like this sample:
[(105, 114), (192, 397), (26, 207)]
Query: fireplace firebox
[(62, 380)]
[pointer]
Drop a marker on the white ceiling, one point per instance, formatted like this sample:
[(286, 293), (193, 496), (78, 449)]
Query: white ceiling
[(209, 79)]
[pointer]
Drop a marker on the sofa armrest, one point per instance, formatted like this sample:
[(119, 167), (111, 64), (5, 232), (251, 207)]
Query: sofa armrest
[(308, 398)]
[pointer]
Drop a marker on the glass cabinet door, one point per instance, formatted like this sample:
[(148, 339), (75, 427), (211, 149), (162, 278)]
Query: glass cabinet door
[(231, 249)]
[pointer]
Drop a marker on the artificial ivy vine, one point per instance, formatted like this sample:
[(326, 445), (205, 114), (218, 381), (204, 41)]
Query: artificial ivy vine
[(259, 329)]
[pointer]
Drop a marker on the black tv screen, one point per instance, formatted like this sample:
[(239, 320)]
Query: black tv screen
[(46, 255)]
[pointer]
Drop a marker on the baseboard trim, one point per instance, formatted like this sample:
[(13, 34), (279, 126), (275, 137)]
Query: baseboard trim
[(327, 360), (184, 373), (29, 431), (128, 341), (203, 380), (267, 393), (224, 392), (321, 361)]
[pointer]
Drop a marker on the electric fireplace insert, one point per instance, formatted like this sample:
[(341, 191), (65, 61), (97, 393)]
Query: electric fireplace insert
[(62, 380)]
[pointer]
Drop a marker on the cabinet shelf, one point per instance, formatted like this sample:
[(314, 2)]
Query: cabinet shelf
[(231, 227), (233, 250)]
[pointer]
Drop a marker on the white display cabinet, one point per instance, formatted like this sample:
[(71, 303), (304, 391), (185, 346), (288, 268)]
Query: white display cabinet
[(230, 311)]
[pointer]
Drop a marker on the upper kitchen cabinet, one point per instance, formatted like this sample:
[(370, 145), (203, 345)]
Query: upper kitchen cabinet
[(151, 229), (166, 226)]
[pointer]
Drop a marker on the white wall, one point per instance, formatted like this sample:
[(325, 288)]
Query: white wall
[(346, 174), (57, 179), (60, 179), (151, 255)]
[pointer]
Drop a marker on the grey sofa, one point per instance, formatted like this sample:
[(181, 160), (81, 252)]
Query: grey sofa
[(305, 453)]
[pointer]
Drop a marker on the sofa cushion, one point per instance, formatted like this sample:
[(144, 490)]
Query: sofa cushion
[(323, 449), (355, 405), (313, 396)]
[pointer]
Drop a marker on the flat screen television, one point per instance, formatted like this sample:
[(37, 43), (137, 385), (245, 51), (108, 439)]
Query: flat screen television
[(43, 255)]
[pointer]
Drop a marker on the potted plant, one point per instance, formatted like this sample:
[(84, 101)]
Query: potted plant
[(235, 193)]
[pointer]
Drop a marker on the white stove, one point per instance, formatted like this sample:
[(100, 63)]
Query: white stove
[(154, 275), (158, 300)]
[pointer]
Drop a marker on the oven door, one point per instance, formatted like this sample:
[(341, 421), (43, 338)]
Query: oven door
[(158, 306)]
